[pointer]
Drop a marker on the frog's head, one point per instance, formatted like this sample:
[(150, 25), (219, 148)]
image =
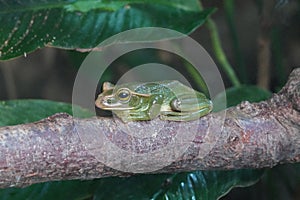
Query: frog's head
[(121, 98)]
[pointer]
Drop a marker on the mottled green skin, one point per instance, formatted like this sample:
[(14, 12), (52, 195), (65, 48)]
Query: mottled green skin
[(153, 99)]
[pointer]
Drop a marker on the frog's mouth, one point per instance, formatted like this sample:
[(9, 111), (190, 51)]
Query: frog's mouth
[(111, 103)]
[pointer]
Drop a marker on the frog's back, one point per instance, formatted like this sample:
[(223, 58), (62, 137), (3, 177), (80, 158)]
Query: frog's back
[(166, 87), (158, 87), (176, 86), (170, 89)]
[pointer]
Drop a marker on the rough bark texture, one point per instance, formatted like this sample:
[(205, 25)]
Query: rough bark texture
[(62, 148)]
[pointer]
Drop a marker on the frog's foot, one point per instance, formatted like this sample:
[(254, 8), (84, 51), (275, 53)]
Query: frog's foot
[(184, 116)]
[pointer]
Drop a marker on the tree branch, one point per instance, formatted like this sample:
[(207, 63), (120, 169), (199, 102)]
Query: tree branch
[(63, 148)]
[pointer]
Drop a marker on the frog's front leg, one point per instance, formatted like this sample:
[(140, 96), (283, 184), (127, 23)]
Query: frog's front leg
[(129, 116), (155, 103), (150, 111), (136, 116)]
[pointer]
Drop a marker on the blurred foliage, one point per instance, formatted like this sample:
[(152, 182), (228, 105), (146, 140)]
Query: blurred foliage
[(15, 112)]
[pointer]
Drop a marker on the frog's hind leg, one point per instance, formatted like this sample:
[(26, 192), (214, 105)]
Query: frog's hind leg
[(184, 116), (190, 102)]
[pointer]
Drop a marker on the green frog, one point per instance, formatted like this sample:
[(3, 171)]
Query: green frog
[(169, 100)]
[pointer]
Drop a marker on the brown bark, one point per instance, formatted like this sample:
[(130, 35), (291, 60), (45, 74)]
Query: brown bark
[(60, 147)]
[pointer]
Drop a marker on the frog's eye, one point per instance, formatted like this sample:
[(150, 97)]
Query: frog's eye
[(124, 94)]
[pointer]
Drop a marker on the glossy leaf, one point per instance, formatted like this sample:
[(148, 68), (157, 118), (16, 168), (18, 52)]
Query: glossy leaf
[(198, 185), (60, 190), (208, 185), (30, 24), (135, 187)]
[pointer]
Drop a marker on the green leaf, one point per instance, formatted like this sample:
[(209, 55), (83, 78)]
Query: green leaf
[(24, 111), (136, 187), (53, 190), (208, 185), (30, 24), (198, 185), (236, 95)]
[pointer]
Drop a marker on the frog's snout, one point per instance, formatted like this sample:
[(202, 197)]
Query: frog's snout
[(105, 103), (111, 103)]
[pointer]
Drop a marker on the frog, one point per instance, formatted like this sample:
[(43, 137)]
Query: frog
[(169, 100)]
